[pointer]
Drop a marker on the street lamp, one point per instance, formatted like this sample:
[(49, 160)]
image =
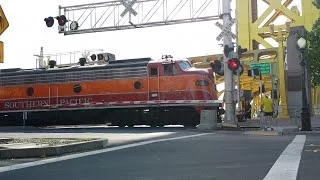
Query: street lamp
[(305, 111)]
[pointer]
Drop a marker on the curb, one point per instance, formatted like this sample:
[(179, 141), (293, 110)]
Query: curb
[(263, 133), (17, 128), (53, 150), (5, 140), (309, 133)]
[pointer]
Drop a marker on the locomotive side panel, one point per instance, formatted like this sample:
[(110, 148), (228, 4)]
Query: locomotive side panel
[(185, 88), (16, 98)]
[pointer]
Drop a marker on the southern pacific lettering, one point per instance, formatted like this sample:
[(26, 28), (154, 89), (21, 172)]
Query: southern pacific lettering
[(83, 92), (32, 104)]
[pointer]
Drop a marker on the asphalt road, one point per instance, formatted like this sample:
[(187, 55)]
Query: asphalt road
[(310, 160), (207, 156)]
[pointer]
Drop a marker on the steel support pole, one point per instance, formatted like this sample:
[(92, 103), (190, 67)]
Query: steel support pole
[(228, 75), (239, 92), (283, 94), (305, 111)]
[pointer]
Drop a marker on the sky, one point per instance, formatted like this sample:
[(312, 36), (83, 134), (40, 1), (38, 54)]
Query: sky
[(27, 32)]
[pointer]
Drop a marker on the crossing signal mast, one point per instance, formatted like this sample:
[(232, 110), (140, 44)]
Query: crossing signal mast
[(130, 14)]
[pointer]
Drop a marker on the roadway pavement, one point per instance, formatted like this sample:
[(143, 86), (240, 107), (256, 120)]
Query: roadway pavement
[(310, 160), (171, 153)]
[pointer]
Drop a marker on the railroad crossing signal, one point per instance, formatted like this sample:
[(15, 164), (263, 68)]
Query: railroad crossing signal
[(226, 30), (49, 21), (217, 67), (129, 8), (62, 20)]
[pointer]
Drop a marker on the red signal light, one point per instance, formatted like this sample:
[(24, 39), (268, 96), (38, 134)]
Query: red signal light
[(62, 20), (233, 64), (49, 21)]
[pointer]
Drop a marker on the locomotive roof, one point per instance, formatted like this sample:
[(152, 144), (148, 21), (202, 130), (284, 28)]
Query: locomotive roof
[(138, 62)]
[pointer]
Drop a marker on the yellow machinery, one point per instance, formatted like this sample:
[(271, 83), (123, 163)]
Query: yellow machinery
[(253, 30)]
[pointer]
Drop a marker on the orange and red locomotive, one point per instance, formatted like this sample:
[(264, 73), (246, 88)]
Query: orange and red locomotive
[(120, 92)]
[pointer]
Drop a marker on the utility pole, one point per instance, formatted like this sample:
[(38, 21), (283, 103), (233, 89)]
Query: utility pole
[(229, 86)]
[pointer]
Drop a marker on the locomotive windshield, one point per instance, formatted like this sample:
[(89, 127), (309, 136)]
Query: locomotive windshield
[(184, 65)]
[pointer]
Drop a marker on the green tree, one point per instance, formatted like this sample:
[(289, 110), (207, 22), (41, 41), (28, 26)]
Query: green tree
[(313, 53), (316, 3)]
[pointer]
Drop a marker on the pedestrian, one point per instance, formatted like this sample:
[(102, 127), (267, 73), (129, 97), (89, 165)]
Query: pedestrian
[(247, 109), (267, 109)]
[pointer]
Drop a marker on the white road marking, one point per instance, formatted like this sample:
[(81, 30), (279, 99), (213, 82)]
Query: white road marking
[(74, 156), (287, 165)]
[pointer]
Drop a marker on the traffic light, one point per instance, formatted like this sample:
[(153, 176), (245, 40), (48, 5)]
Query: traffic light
[(227, 50), (233, 64), (253, 72), (275, 94), (62, 20), (217, 67), (241, 50), (49, 21), (263, 89)]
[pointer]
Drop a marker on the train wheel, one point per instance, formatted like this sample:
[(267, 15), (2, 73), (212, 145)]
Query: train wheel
[(153, 125), (130, 124), (122, 124), (194, 121)]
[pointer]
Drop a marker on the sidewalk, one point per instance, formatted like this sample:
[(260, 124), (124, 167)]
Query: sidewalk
[(315, 122), (284, 126)]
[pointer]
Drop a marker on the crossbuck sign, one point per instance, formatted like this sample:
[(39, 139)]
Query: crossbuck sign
[(226, 30), (128, 6)]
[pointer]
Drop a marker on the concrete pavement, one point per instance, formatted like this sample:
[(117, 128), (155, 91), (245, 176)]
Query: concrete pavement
[(310, 160), (315, 122), (211, 156)]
